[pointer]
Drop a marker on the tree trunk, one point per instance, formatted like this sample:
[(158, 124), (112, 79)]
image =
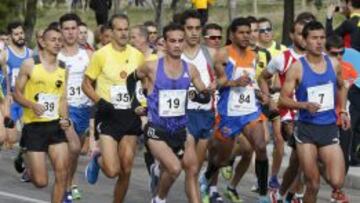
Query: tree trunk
[(116, 4), (287, 21), (158, 13), (255, 7), (232, 9), (30, 19)]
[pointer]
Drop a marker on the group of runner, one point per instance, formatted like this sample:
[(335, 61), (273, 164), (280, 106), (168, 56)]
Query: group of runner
[(191, 101)]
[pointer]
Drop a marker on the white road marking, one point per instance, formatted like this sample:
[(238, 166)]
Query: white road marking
[(23, 198)]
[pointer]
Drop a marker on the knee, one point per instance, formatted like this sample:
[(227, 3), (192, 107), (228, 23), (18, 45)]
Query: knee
[(39, 181), (261, 149), (126, 167), (111, 171), (247, 155), (174, 171)]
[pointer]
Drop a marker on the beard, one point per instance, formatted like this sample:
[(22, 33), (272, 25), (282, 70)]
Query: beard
[(19, 43)]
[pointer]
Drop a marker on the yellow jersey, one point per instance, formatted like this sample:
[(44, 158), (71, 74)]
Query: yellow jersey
[(110, 68), (200, 4), (276, 49), (45, 88)]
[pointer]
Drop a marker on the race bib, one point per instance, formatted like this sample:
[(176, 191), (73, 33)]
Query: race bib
[(120, 97), (172, 103), (15, 73), (242, 101), (75, 94), (323, 95), (51, 104)]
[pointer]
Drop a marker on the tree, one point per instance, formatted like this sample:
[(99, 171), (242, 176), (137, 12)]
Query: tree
[(30, 18), (288, 19), (232, 9), (5, 15)]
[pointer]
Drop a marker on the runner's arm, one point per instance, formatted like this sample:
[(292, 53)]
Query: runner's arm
[(203, 95), (342, 90), (292, 78), (63, 113), (21, 81)]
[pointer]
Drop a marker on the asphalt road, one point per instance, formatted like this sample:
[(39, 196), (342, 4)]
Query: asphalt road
[(13, 191)]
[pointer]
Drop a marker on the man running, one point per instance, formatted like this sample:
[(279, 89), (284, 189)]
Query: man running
[(239, 109), (16, 52), (76, 60), (41, 90), (279, 66), (201, 116), (168, 81), (317, 81), (117, 124)]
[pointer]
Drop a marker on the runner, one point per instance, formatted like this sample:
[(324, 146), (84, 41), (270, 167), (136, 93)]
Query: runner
[(16, 52), (76, 60), (316, 133), (239, 110), (118, 126), (201, 117), (168, 80), (279, 66), (41, 90)]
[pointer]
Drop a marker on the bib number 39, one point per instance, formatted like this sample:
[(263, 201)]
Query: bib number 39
[(51, 104)]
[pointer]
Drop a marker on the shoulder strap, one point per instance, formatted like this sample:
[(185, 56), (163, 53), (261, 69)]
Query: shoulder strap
[(62, 64), (36, 59), (277, 46), (207, 55)]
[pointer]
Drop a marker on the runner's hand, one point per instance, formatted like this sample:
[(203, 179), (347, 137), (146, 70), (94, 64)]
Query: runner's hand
[(212, 87), (330, 11), (94, 148), (65, 123), (312, 107), (243, 81), (345, 121), (38, 109), (140, 111)]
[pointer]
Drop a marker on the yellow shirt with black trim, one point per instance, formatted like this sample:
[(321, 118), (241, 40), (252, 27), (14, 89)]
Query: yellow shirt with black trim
[(110, 67), (263, 58), (276, 49), (42, 81)]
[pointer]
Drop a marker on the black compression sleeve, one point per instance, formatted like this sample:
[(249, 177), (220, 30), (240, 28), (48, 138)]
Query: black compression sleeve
[(131, 81)]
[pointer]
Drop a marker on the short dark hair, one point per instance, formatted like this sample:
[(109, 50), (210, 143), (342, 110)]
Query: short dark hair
[(2, 32), (69, 17), (14, 25), (189, 14), (83, 24), (305, 16), (263, 20), (298, 22), (211, 26), (117, 16), (334, 41), (50, 28), (252, 19), (237, 22), (355, 3), (311, 26), (150, 23), (54, 24), (103, 28), (172, 27)]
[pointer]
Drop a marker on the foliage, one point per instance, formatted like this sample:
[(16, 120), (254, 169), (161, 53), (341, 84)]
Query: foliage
[(10, 10)]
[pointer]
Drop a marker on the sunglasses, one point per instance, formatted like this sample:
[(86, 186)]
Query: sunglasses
[(214, 37), (152, 33), (337, 53), (265, 30)]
